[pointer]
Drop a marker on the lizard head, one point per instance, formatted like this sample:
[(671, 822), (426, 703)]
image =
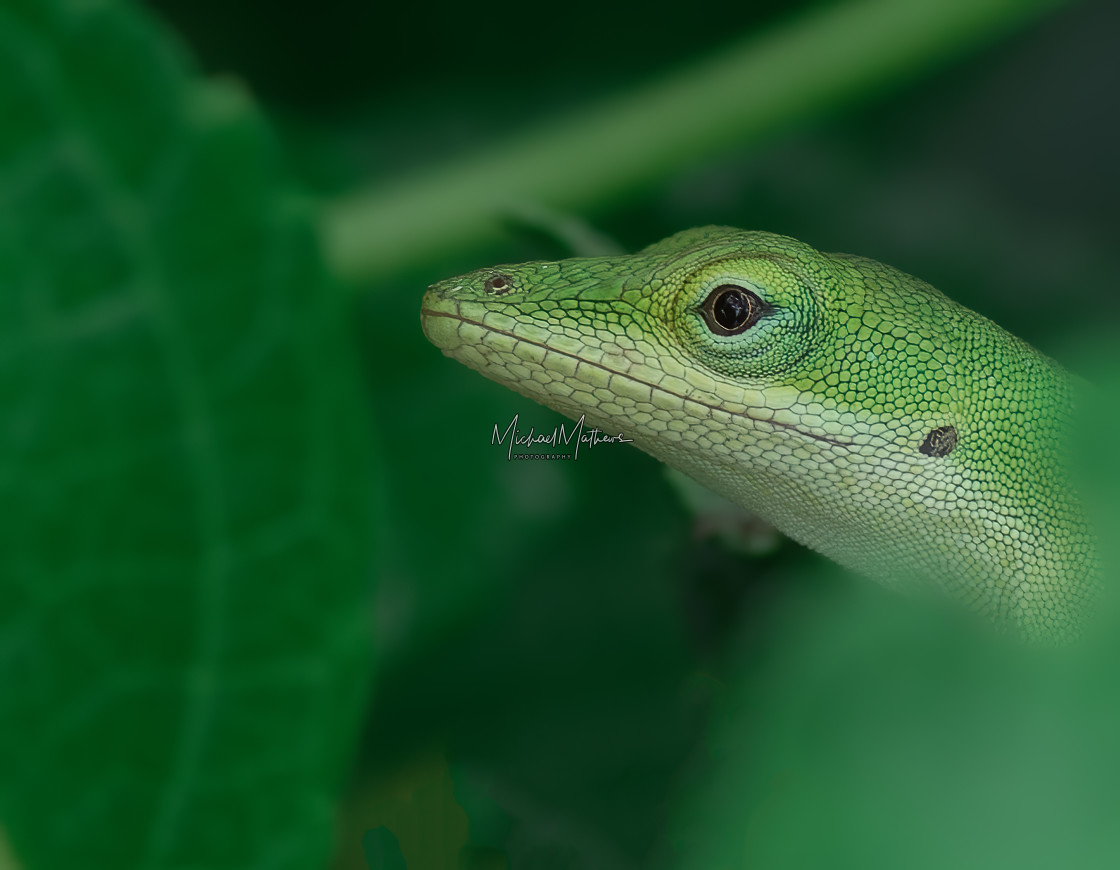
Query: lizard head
[(747, 323)]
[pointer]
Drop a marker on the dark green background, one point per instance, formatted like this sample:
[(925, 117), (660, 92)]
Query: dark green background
[(566, 675)]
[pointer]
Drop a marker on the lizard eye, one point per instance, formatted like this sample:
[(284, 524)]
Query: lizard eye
[(730, 310)]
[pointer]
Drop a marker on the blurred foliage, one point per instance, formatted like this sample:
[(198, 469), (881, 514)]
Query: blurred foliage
[(187, 470), (567, 676)]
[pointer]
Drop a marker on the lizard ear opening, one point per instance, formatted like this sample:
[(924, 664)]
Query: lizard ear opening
[(731, 310), (939, 442)]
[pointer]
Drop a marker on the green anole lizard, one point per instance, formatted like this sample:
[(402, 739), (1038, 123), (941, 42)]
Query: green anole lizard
[(857, 408)]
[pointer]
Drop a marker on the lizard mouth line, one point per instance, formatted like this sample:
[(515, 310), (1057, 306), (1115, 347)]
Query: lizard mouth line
[(428, 312)]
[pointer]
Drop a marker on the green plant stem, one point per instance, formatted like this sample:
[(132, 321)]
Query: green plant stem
[(758, 86)]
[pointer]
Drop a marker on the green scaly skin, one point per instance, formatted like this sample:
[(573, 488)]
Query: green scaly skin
[(818, 416)]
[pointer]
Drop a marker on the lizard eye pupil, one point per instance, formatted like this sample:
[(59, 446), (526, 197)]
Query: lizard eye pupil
[(730, 310)]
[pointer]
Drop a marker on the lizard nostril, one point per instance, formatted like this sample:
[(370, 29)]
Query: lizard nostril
[(498, 284)]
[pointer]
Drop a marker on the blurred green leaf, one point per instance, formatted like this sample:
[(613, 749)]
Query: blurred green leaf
[(383, 850), (185, 463), (880, 733)]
